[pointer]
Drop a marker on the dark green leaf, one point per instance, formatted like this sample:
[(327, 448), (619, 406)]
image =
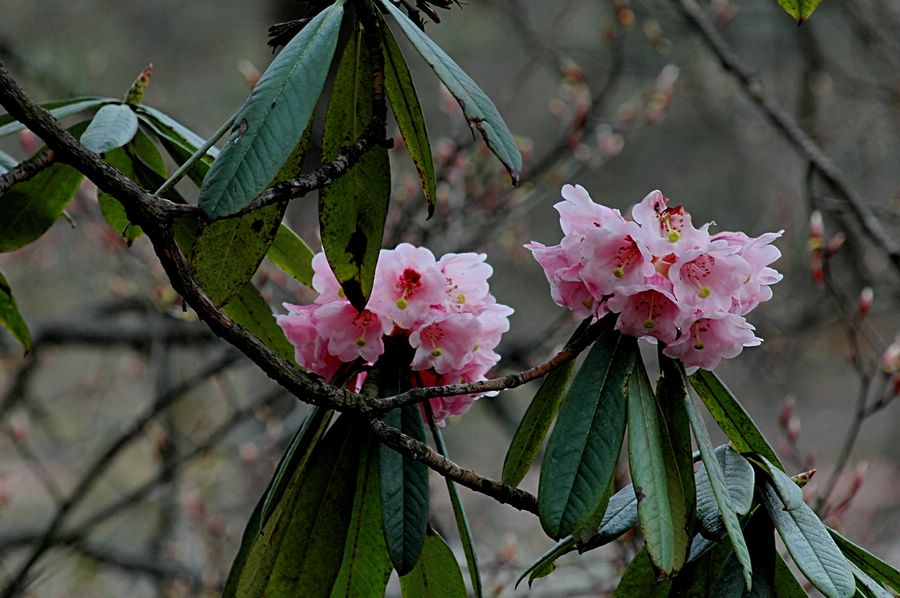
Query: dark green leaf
[(271, 121), (366, 566), (761, 543), (720, 490), (436, 574), (28, 209), (289, 467), (59, 109), (785, 584), (873, 566), (10, 317), (810, 546), (7, 162), (584, 446), (621, 515), (250, 310), (113, 126), (404, 493), (227, 252), (799, 9), (656, 455), (788, 491), (300, 549), (546, 563), (401, 94), (700, 574), (352, 210), (640, 579), (479, 110), (739, 478), (867, 586), (290, 253), (731, 416), (529, 436)]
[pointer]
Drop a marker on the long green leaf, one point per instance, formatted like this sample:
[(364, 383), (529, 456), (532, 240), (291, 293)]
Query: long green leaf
[(812, 549), (867, 586), (404, 493), (640, 579), (702, 571), (113, 126), (289, 467), (250, 310), (786, 585), (290, 253), (404, 101), (437, 573), (868, 562), (7, 162), (10, 318), (584, 446), (59, 109), (788, 491), (179, 141), (731, 416), (353, 209), (366, 566), (720, 490), (479, 110), (272, 119), (301, 547), (529, 436), (659, 482), (739, 478), (29, 208)]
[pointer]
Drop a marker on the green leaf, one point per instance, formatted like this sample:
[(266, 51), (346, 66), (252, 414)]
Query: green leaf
[(640, 579), (760, 538), (59, 109), (785, 584), (731, 416), (289, 467), (273, 118), (300, 549), (290, 253), (7, 162), (867, 586), (720, 490), (812, 549), (401, 94), (10, 317), (404, 493), (739, 478), (353, 209), (546, 563), (479, 110), (179, 141), (227, 252), (29, 208), (700, 574), (113, 126), (799, 9), (656, 449), (366, 566), (873, 566), (788, 491), (584, 446), (529, 436), (251, 311), (437, 573)]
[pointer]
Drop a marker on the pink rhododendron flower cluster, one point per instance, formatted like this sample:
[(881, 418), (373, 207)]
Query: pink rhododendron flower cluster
[(443, 307), (667, 279)]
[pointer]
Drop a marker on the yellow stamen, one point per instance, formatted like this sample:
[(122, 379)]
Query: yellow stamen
[(704, 292), (674, 236), (401, 303), (618, 272), (437, 352), (360, 342)]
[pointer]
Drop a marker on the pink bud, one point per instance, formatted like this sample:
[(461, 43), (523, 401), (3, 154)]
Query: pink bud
[(890, 360), (864, 304), (787, 411), (793, 429), (835, 243), (29, 141), (20, 427), (816, 225)]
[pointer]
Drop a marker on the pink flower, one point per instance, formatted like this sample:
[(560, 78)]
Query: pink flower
[(709, 339), (466, 277), (324, 281), (647, 309), (407, 282), (614, 257), (667, 230), (566, 287), (759, 253), (708, 278), (445, 345), (579, 214), (310, 350), (350, 333)]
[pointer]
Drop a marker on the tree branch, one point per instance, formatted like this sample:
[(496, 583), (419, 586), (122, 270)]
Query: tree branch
[(753, 87), (26, 170)]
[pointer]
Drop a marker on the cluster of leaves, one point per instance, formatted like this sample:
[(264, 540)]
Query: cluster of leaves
[(342, 511), (704, 529)]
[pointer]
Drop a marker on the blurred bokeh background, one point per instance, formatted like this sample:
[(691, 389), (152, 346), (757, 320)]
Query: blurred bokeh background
[(622, 97)]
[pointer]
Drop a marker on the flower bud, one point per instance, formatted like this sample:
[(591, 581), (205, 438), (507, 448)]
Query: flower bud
[(890, 359), (816, 225), (864, 304)]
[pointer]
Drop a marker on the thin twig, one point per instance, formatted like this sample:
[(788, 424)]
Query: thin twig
[(26, 170)]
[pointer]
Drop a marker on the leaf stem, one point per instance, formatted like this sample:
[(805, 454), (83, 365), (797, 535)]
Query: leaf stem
[(201, 151)]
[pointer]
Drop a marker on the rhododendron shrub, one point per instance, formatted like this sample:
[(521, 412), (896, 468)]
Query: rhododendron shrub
[(442, 309), (666, 279)]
